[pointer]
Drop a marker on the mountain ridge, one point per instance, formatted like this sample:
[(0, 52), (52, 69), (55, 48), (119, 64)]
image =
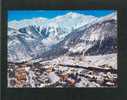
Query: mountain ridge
[(56, 34)]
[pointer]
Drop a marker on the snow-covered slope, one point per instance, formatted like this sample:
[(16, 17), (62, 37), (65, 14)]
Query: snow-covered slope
[(71, 20), (73, 32)]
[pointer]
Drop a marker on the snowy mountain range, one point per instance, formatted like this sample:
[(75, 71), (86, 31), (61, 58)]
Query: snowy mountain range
[(72, 33)]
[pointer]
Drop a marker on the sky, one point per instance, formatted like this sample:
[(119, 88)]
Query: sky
[(29, 14)]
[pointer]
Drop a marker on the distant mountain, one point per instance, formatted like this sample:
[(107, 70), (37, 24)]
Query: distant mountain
[(26, 22), (73, 33)]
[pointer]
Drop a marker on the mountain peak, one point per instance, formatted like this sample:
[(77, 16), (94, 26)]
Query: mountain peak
[(73, 14), (108, 17)]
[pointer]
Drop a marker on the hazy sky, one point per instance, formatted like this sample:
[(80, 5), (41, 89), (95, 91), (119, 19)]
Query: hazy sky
[(28, 14)]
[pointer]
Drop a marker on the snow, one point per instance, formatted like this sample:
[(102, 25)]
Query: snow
[(88, 61), (94, 36), (53, 77), (26, 22), (108, 17)]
